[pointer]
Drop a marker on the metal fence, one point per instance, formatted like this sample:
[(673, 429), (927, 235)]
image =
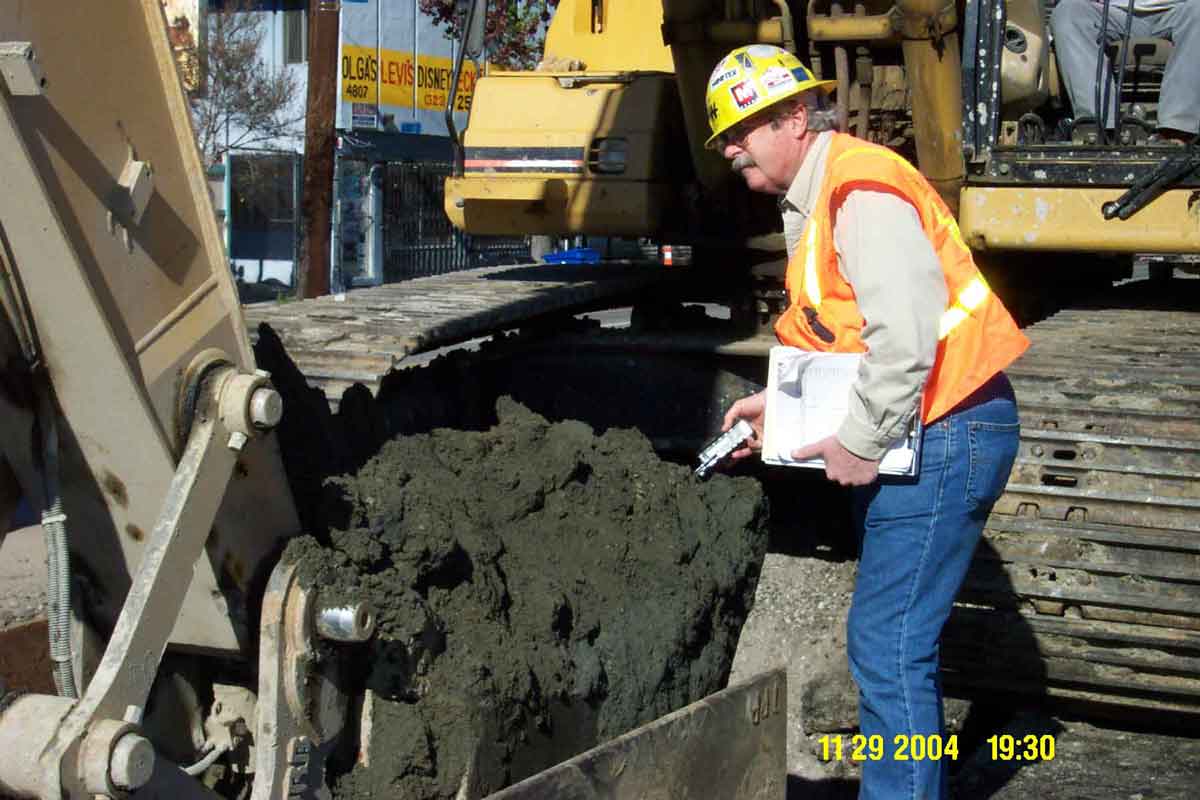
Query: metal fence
[(419, 240)]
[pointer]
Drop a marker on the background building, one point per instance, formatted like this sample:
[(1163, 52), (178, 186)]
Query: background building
[(393, 150)]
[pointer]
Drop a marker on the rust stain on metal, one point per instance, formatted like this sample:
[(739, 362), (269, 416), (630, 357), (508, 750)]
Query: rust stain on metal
[(135, 532), (115, 489)]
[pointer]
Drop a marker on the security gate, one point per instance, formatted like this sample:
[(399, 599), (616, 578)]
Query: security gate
[(419, 240)]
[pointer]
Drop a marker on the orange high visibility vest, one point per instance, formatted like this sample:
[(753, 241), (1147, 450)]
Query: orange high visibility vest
[(977, 337)]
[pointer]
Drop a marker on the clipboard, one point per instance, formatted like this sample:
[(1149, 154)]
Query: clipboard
[(808, 397)]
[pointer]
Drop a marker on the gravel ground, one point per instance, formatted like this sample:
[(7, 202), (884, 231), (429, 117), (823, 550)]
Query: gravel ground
[(24, 648), (22, 577)]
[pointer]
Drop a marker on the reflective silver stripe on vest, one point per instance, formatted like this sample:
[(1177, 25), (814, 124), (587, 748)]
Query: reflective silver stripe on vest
[(972, 296), (812, 284)]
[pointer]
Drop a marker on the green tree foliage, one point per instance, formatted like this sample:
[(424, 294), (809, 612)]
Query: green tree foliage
[(515, 31)]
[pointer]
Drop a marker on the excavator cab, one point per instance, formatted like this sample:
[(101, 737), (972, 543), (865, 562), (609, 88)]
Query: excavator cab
[(1044, 177)]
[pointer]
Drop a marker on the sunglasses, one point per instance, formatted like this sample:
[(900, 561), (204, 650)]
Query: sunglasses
[(737, 134)]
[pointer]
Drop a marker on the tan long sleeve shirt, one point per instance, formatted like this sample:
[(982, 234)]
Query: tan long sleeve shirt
[(901, 291)]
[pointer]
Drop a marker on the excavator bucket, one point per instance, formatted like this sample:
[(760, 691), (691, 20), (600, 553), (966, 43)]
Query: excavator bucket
[(729, 744)]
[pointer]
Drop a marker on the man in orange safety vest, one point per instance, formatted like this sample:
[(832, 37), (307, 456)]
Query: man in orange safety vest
[(877, 266)]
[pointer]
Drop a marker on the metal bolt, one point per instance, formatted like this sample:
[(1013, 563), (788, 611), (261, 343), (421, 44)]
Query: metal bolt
[(237, 440), (266, 408), (350, 623), (132, 762), (261, 373), (1038, 450), (1004, 168)]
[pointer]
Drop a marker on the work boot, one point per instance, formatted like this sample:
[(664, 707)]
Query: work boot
[(1084, 130), (1168, 137)]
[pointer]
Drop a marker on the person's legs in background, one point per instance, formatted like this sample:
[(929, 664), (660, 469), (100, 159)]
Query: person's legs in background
[(1179, 102), (1075, 25)]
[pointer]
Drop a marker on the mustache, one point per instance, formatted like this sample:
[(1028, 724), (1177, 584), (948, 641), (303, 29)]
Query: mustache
[(741, 161)]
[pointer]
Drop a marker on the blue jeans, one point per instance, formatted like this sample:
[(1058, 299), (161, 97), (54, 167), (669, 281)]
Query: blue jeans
[(917, 538)]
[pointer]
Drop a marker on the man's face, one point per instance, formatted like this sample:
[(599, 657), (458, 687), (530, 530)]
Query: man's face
[(766, 155)]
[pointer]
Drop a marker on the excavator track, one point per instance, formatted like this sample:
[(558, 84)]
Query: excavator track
[(1087, 583), (360, 336)]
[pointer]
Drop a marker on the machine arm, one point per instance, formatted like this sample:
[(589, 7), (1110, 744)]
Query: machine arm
[(93, 747)]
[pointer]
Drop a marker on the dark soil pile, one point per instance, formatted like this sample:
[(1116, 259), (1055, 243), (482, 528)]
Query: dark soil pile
[(539, 589)]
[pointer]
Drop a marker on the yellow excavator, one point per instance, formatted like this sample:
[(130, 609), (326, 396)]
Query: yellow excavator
[(132, 411), (1087, 584)]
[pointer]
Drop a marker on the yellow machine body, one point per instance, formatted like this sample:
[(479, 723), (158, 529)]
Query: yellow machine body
[(635, 79), (540, 170), (1069, 220), (544, 149)]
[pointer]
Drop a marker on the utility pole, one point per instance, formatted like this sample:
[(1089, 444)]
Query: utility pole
[(316, 200)]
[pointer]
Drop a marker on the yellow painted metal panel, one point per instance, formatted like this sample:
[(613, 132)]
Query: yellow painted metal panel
[(500, 205), (526, 192), (554, 116), (624, 35), (1069, 219)]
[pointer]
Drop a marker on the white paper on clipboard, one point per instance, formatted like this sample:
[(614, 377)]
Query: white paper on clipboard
[(808, 397)]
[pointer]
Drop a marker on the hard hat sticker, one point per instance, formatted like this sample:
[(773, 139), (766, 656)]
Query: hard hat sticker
[(777, 79), (744, 94), (744, 60), (719, 77), (801, 74)]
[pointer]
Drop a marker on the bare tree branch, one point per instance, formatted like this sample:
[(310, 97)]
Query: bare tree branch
[(240, 101)]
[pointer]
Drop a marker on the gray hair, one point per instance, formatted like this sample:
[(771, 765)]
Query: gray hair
[(821, 115)]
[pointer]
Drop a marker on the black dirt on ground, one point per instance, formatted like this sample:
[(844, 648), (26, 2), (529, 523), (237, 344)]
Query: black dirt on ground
[(539, 589)]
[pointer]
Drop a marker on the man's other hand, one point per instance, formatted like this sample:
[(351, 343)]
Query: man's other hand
[(841, 466)]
